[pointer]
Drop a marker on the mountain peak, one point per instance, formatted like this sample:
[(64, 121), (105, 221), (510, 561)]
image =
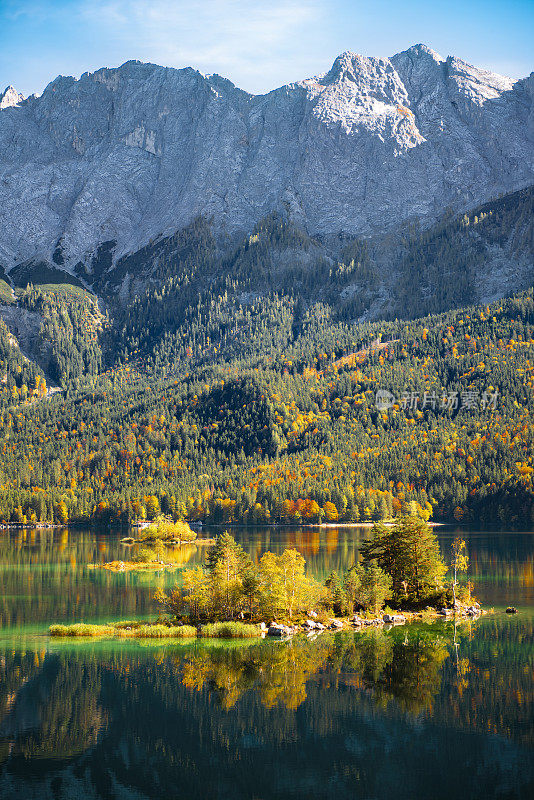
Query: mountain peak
[(142, 150), (349, 64), (422, 51), (10, 97), (356, 67)]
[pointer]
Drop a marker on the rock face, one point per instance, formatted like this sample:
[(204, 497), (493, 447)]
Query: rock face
[(130, 153)]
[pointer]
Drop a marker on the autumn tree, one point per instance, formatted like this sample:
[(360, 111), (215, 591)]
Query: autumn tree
[(228, 565), (459, 563), (284, 587), (152, 506), (330, 512), (351, 586), (61, 513)]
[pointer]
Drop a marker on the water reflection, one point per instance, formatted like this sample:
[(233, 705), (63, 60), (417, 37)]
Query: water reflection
[(392, 707), (403, 667), (46, 578), (370, 715), (56, 713)]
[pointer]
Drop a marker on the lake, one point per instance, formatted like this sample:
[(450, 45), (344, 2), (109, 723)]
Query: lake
[(421, 711)]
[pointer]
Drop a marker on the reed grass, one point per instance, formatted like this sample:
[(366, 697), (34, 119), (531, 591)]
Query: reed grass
[(230, 630), (124, 630)]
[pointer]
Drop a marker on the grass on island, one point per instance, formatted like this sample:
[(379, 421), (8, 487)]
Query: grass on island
[(230, 630), (133, 566), (124, 630), (138, 630)]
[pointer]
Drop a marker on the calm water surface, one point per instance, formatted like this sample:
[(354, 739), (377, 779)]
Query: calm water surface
[(417, 712)]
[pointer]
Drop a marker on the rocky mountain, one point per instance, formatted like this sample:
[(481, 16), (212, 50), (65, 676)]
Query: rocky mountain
[(10, 97), (121, 157), (201, 292)]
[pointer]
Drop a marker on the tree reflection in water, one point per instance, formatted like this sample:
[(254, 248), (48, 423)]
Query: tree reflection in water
[(406, 669), (277, 671), (55, 712), (151, 715), (375, 714)]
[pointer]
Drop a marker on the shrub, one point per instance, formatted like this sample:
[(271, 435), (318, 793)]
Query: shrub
[(162, 632), (126, 623), (166, 531), (375, 586), (148, 534)]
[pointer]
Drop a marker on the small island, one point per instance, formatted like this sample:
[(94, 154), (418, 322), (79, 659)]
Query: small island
[(156, 547), (401, 578)]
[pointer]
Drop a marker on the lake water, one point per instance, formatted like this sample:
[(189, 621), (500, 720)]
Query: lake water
[(424, 712)]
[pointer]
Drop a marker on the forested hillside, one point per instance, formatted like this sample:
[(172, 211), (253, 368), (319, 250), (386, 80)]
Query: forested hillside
[(178, 281), (266, 410), (236, 380), (478, 256)]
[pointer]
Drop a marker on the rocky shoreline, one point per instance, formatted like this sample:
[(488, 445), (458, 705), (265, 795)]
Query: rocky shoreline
[(242, 629), (312, 626)]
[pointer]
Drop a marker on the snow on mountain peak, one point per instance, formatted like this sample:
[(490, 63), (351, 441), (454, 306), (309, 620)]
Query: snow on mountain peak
[(10, 97)]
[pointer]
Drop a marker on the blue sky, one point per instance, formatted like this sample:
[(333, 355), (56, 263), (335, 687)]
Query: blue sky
[(258, 45)]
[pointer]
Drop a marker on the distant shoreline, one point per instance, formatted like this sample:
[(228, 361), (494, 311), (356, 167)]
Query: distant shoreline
[(143, 524), (7, 526), (365, 524)]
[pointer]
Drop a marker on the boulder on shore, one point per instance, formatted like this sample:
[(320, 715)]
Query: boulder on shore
[(279, 630), (473, 611)]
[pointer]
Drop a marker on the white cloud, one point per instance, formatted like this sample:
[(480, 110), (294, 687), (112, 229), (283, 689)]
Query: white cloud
[(258, 44)]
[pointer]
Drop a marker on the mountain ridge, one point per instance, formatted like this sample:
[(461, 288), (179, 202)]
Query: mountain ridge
[(139, 151)]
